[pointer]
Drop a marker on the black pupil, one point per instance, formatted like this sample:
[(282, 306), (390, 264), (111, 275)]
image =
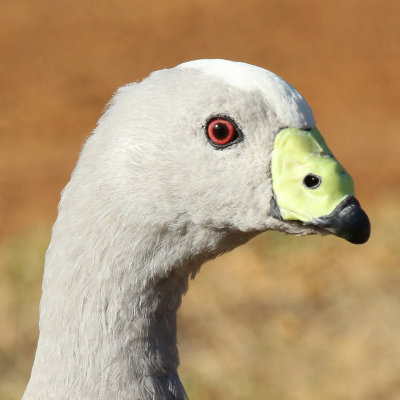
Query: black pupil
[(312, 181), (220, 130)]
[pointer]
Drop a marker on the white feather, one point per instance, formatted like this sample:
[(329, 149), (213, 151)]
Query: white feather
[(290, 107)]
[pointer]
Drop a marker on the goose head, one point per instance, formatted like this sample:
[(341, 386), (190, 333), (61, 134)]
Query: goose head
[(225, 146)]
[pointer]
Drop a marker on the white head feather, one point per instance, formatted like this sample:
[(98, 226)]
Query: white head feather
[(287, 103)]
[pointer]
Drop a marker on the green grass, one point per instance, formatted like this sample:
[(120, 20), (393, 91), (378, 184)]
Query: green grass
[(21, 268)]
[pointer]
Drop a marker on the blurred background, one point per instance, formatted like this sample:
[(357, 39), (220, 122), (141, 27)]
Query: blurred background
[(281, 317)]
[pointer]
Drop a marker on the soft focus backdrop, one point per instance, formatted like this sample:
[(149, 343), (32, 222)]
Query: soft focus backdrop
[(282, 317)]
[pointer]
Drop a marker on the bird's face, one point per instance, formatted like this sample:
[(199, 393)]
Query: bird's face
[(231, 148), (276, 138)]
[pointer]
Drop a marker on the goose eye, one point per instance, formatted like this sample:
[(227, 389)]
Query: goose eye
[(312, 181), (221, 132)]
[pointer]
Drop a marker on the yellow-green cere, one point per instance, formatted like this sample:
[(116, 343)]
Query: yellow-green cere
[(307, 180)]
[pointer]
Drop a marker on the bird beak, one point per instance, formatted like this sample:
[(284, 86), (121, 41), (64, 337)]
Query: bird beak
[(311, 187), (348, 221)]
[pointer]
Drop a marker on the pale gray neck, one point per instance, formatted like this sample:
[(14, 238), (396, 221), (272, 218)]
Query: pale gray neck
[(112, 285), (106, 331)]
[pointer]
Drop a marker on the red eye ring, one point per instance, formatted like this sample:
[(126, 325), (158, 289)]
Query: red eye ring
[(221, 131)]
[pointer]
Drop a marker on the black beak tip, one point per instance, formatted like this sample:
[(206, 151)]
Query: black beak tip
[(358, 228), (348, 221)]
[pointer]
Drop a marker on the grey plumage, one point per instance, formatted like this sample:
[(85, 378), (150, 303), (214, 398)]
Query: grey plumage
[(149, 201)]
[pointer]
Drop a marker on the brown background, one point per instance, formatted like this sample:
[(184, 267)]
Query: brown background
[(61, 61)]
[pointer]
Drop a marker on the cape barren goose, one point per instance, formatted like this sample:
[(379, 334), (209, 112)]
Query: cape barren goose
[(186, 165)]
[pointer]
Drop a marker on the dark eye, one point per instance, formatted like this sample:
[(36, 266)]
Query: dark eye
[(221, 131), (312, 181)]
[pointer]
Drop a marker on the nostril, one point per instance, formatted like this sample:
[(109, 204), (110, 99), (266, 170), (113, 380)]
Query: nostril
[(312, 181)]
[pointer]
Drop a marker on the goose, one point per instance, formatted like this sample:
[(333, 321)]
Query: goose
[(182, 167)]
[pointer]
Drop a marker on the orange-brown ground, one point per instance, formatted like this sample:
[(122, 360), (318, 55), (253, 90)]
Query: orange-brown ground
[(329, 311)]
